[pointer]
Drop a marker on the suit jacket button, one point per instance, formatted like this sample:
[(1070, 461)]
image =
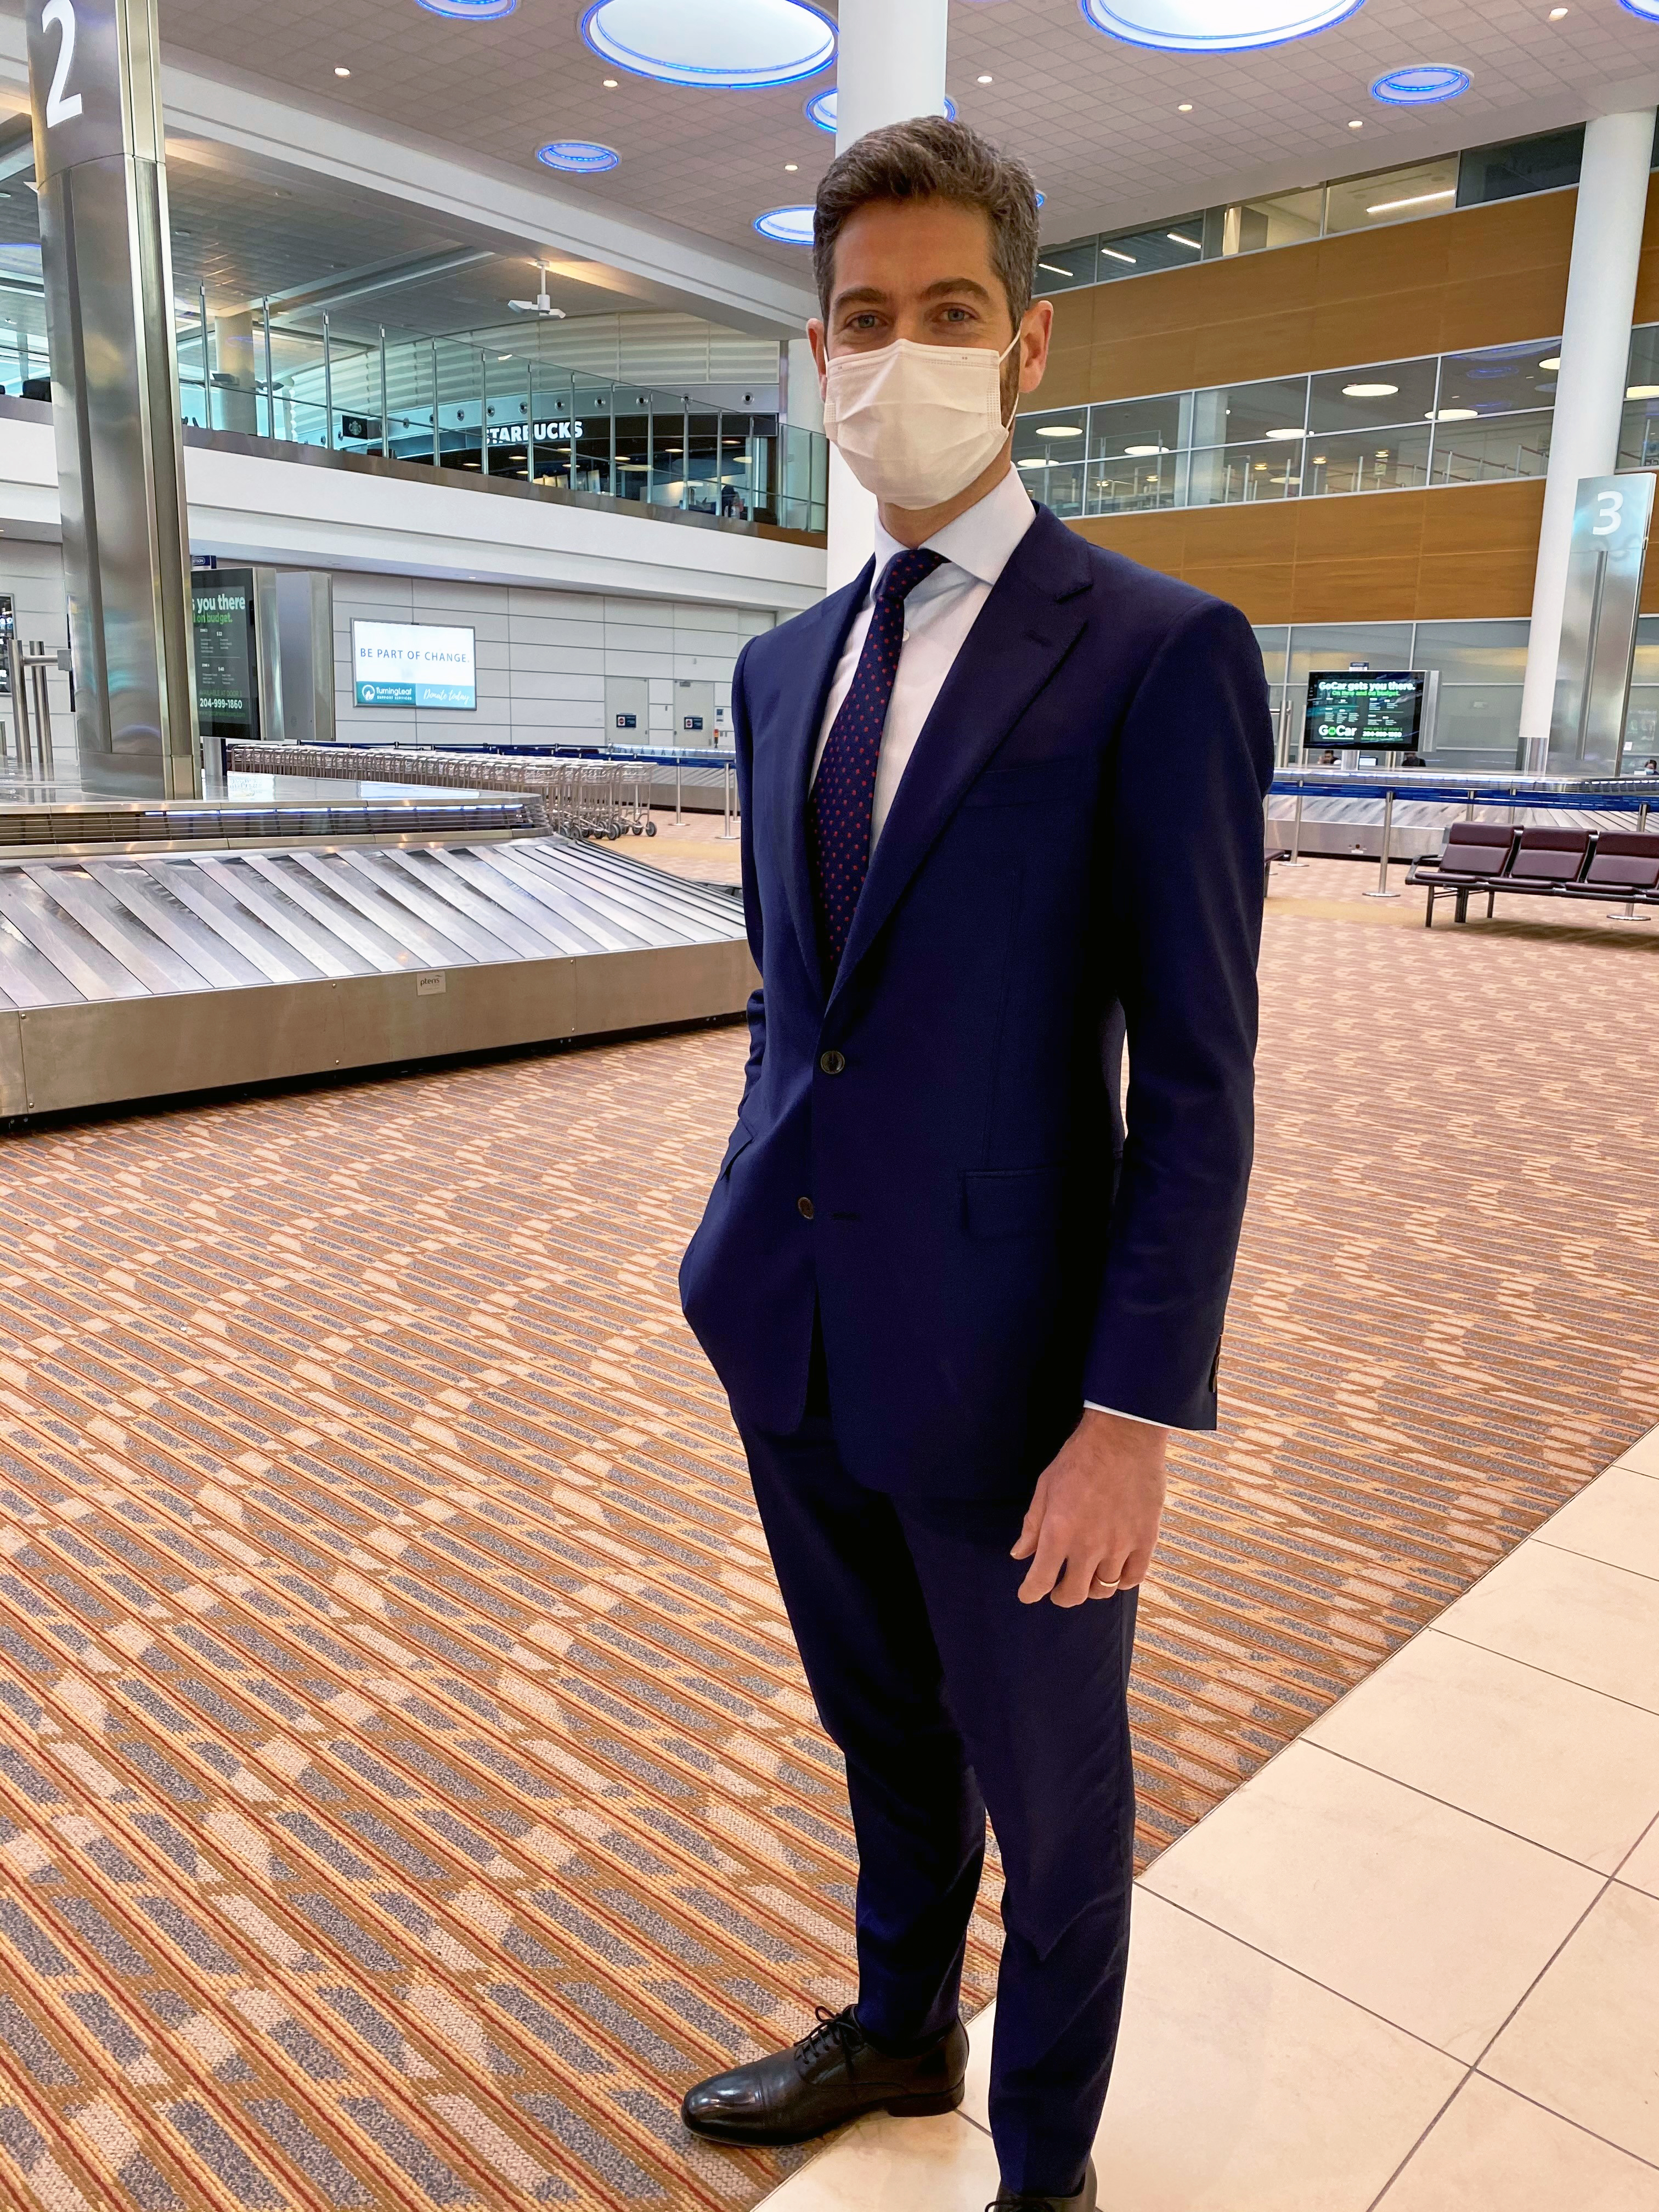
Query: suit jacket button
[(832, 1062), (803, 1207)]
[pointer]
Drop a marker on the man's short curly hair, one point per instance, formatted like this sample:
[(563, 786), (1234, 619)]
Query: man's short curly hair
[(929, 158)]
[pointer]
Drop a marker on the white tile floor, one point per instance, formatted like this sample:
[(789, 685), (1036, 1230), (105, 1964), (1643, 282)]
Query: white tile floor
[(1413, 1963)]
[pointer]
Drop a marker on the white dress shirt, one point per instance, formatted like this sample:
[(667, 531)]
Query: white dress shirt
[(938, 613), (938, 616)]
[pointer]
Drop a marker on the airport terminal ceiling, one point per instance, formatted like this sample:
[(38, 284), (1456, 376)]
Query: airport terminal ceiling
[(1098, 118)]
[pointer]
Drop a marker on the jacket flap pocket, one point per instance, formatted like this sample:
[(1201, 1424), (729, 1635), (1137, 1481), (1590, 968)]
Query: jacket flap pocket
[(1010, 1201), (741, 1139)]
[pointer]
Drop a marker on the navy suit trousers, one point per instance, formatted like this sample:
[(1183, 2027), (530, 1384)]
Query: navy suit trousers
[(950, 1699)]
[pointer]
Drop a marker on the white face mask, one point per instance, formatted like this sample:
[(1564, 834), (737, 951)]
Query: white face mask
[(916, 423)]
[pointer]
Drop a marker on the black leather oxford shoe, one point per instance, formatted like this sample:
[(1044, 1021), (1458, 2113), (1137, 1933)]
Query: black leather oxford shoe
[(829, 2077), (1015, 2200)]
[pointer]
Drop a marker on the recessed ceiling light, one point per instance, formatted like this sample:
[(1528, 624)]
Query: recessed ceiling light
[(1556, 14), (1369, 391), (1034, 461), (789, 226), (1642, 392), (610, 84), (1185, 108), (1139, 453), (1057, 430), (1356, 124), (734, 44), (821, 110), (1112, 254), (1196, 244), (984, 79), (1554, 361), (341, 72), (1213, 27), (577, 157), (1053, 268), (1452, 415), (1286, 433), (1417, 199), (790, 167), (1421, 86)]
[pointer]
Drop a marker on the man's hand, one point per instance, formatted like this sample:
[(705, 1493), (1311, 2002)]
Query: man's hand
[(1093, 1517)]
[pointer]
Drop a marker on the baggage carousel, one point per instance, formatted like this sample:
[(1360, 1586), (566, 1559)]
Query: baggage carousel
[(137, 966)]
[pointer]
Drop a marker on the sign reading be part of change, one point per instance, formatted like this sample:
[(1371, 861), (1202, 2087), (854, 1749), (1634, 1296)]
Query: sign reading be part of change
[(412, 665)]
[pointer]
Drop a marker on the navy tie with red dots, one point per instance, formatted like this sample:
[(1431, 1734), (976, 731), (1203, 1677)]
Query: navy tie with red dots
[(838, 811)]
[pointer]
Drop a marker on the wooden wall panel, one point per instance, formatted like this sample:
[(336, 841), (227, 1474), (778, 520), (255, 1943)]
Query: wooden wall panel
[(1454, 554), (1489, 276)]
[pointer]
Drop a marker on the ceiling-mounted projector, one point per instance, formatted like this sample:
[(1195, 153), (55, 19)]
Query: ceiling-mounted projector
[(541, 305)]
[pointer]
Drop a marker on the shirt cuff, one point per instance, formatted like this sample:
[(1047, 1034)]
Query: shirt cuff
[(1090, 1406)]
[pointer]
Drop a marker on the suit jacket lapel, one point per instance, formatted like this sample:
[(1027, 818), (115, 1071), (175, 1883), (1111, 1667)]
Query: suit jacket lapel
[(803, 689), (1023, 632)]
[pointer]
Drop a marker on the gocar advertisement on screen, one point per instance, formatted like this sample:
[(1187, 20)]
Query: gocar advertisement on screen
[(412, 665)]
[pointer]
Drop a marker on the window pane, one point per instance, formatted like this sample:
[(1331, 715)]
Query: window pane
[(1334, 645), (1050, 447), (1367, 460), (1140, 428), (1060, 268), (1497, 379), (1507, 446), (1121, 483), (1522, 165), (1229, 414), (1392, 196), (1286, 219), (1223, 476), (1274, 639), (1473, 651), (1363, 399), (1170, 246)]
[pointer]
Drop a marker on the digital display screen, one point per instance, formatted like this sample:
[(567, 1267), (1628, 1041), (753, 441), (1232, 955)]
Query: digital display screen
[(413, 665), (226, 661), (1380, 709)]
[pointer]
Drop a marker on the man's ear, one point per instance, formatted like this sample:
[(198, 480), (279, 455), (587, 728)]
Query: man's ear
[(1035, 329), (820, 345)]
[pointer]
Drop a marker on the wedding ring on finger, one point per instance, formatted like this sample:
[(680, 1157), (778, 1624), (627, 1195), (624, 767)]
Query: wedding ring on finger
[(1100, 1588)]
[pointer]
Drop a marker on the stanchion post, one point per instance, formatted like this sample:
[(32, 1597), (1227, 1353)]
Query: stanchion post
[(676, 794), (728, 782), (1383, 890), (1296, 828), (1628, 912)]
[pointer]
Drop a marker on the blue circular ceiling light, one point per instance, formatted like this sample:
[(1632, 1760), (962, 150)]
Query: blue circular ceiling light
[(790, 226), (470, 11), (1213, 27), (722, 45), (1420, 86), (821, 110), (1647, 9), (578, 157)]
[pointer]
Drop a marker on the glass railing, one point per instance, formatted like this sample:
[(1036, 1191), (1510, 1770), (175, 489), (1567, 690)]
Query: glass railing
[(502, 410), (1483, 417), (1401, 194)]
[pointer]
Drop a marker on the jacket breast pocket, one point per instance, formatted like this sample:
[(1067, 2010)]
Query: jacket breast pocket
[(1033, 783), (1010, 1201)]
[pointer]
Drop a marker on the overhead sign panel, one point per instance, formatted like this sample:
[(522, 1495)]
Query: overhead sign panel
[(413, 665)]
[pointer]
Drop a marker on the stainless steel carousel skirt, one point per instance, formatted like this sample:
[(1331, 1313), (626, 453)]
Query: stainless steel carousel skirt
[(139, 976)]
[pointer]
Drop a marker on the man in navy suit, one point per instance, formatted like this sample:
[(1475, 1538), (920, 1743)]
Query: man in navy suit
[(1001, 802)]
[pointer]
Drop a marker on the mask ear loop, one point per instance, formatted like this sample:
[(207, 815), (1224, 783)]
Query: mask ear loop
[(1001, 357)]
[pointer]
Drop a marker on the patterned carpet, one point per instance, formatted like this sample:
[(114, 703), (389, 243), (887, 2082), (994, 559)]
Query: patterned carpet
[(406, 1784)]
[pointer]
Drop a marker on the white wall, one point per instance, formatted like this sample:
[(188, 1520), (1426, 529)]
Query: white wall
[(542, 658)]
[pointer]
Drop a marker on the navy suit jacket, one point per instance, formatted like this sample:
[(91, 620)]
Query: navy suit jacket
[(1078, 830)]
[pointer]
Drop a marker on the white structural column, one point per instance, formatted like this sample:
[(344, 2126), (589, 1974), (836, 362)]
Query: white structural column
[(891, 66), (1590, 391)]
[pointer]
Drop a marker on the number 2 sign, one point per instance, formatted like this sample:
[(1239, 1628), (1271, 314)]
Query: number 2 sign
[(74, 79)]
